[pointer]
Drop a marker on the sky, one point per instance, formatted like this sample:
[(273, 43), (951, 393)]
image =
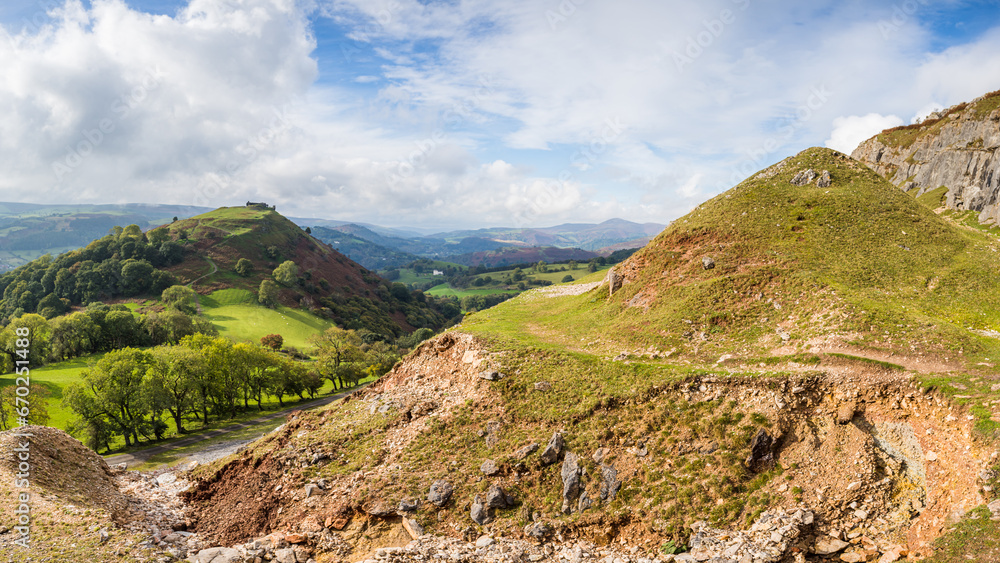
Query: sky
[(461, 113)]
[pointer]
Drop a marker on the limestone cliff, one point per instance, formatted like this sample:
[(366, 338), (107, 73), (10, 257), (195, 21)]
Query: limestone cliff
[(955, 148)]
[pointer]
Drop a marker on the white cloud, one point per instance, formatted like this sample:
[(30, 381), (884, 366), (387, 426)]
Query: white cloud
[(633, 110), (849, 132)]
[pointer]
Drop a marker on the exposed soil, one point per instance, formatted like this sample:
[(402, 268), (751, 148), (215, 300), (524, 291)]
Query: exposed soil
[(881, 462)]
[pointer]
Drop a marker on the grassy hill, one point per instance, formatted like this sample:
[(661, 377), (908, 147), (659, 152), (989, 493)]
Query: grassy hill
[(848, 323), (329, 284)]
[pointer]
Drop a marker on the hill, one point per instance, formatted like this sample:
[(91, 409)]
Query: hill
[(808, 353), (203, 252), (955, 148), (327, 282)]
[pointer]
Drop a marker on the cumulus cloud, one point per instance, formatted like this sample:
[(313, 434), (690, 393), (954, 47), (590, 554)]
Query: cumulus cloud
[(462, 114), (849, 132)]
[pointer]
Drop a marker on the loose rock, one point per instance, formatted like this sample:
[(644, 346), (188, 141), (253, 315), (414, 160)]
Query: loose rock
[(551, 452), (440, 493)]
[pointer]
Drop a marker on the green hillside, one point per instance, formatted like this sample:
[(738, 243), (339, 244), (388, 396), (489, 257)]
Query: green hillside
[(237, 315), (858, 259)]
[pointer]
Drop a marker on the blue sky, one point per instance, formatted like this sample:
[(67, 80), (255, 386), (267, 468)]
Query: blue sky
[(465, 113)]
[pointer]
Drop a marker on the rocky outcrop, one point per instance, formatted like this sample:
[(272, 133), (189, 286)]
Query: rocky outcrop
[(955, 148)]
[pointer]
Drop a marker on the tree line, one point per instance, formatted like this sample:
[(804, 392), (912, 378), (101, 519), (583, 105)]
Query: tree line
[(124, 263), (97, 328), (131, 392)]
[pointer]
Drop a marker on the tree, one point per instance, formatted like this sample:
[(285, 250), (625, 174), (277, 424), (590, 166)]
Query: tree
[(573, 265), (268, 293), (309, 231), (338, 349), (379, 358), (567, 278), (286, 273), (38, 340), (175, 219), (73, 335), (181, 298), (136, 276), (120, 329), (115, 386), (272, 341), (158, 236), (38, 414), (243, 267), (214, 382), (174, 376)]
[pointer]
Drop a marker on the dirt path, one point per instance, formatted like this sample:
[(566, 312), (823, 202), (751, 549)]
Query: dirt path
[(142, 456)]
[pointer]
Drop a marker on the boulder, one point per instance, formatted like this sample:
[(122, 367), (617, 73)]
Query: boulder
[(707, 262), (496, 497), (480, 512), (489, 468), (413, 528), (537, 530), (571, 481), (552, 451), (526, 450), (803, 177), (440, 493), (614, 281), (824, 180), (609, 483), (845, 412), (491, 375), (826, 545), (286, 555)]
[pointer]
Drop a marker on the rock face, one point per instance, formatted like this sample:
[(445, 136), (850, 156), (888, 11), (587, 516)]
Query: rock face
[(761, 452), (956, 148)]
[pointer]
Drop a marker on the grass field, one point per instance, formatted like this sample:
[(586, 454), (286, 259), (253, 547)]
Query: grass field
[(236, 314), (445, 290), (410, 276)]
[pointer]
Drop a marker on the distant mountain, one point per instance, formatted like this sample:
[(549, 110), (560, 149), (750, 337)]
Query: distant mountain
[(492, 247), (587, 236), (369, 254), (29, 230), (511, 255), (430, 247)]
